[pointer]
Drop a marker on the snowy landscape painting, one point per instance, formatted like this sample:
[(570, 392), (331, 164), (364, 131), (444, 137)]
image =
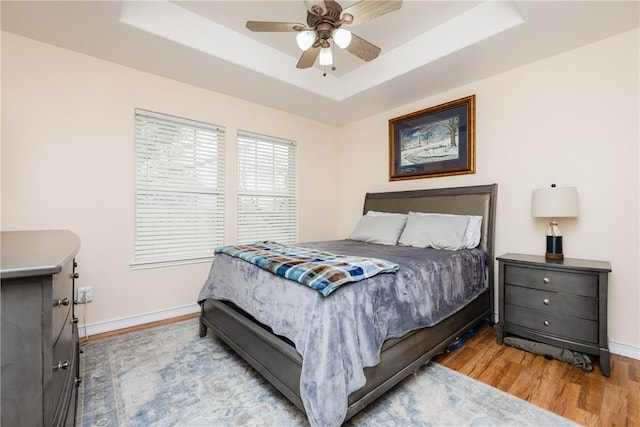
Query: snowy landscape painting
[(433, 142), (437, 141)]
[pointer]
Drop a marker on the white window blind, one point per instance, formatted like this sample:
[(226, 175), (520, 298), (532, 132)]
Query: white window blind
[(179, 189), (267, 195)]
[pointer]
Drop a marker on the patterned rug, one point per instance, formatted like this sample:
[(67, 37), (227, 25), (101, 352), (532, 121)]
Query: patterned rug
[(169, 376)]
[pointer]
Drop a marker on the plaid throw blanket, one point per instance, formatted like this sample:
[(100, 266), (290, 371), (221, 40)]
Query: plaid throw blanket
[(323, 271)]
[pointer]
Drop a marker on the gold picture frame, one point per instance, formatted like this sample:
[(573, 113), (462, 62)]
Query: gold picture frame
[(436, 141)]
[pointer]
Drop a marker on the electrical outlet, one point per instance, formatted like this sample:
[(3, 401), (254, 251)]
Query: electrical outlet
[(85, 294)]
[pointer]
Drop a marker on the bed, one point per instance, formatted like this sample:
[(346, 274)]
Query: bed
[(372, 356)]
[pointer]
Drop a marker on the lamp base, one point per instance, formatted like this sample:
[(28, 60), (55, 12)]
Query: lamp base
[(554, 257), (554, 248)]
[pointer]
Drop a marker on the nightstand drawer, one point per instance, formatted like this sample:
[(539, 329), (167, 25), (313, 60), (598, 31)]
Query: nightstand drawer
[(550, 280), (552, 302), (552, 323)]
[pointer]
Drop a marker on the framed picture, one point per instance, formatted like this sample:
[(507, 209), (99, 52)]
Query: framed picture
[(437, 141)]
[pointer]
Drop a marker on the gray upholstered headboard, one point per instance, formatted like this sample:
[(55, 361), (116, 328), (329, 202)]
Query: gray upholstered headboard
[(474, 200)]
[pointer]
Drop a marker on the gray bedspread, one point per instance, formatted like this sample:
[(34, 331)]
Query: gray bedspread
[(338, 336)]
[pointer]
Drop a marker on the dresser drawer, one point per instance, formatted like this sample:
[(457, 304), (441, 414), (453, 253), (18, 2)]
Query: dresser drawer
[(550, 280), (552, 302), (63, 353), (553, 323), (62, 294), (65, 407)]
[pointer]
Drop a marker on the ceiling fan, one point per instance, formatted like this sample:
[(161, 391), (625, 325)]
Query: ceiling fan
[(325, 20)]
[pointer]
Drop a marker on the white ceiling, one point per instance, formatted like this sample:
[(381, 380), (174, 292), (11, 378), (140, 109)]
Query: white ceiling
[(427, 46)]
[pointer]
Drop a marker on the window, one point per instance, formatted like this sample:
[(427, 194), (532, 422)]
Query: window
[(267, 201), (179, 189)]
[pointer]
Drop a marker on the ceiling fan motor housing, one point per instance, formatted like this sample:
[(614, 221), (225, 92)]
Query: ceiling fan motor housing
[(325, 24), (324, 30)]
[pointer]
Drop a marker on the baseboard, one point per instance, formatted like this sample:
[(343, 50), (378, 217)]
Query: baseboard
[(624, 350), (114, 325)]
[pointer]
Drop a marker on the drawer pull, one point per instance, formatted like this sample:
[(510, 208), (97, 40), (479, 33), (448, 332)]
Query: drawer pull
[(546, 301), (61, 365), (546, 280), (78, 381), (76, 275), (546, 323), (59, 302)]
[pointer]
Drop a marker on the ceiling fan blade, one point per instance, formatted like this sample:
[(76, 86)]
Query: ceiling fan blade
[(260, 26), (367, 10), (309, 56), (362, 48)]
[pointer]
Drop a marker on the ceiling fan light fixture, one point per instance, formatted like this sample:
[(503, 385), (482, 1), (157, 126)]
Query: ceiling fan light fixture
[(325, 19), (326, 57), (305, 39), (342, 37)]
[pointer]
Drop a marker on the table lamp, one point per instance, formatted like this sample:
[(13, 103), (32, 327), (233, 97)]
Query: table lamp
[(554, 202)]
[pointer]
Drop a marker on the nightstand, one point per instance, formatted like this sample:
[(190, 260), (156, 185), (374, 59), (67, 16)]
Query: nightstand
[(560, 303)]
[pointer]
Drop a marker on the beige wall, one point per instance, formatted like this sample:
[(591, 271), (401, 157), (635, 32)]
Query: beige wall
[(67, 162), (571, 120)]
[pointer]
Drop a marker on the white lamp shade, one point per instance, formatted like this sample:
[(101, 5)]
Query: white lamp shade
[(342, 37), (554, 202), (305, 39), (326, 57)]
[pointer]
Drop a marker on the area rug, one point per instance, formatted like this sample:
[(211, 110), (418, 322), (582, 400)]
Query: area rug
[(169, 376)]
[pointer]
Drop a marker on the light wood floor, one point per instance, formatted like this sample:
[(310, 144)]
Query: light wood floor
[(587, 398)]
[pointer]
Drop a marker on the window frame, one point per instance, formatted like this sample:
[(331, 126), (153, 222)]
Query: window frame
[(273, 193), (179, 164)]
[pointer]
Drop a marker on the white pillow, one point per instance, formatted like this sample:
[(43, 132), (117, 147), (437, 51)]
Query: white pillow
[(382, 229), (434, 231), (472, 234)]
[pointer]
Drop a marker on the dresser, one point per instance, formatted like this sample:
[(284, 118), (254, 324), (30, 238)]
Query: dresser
[(40, 350), (561, 303)]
